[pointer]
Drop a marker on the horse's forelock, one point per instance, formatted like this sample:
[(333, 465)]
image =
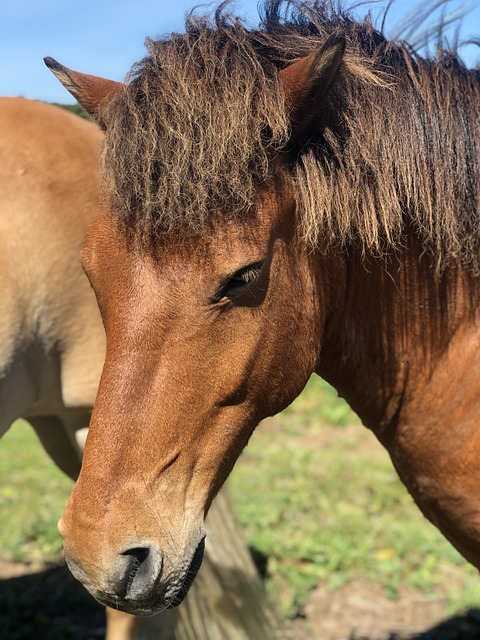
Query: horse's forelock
[(187, 139)]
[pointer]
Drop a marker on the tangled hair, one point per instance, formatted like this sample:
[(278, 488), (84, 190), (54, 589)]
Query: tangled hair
[(192, 136)]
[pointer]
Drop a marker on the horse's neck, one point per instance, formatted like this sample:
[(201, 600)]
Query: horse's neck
[(399, 336), (406, 356)]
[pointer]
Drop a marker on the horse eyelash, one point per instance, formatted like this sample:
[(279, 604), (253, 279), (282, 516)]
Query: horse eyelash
[(242, 277), (250, 273)]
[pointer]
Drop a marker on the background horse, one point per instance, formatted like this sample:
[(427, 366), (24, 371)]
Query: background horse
[(298, 198), (52, 342)]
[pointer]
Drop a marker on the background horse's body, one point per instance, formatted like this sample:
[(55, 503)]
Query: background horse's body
[(299, 198), (52, 341)]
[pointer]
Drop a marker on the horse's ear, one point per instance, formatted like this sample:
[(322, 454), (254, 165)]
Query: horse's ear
[(308, 80), (91, 92)]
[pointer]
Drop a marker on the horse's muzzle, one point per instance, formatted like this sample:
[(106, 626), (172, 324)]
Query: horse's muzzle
[(139, 585)]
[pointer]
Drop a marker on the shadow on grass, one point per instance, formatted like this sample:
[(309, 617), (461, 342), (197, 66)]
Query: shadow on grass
[(465, 626), (50, 605), (460, 627)]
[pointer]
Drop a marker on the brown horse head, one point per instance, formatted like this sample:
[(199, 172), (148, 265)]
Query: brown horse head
[(244, 174), (195, 359), (203, 323)]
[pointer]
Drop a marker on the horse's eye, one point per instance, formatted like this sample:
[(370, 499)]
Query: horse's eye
[(241, 281)]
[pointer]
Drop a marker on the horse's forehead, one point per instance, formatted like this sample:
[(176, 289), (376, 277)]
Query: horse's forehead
[(225, 243), (220, 249)]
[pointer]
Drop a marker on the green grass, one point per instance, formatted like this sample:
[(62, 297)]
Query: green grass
[(324, 505), (33, 493), (315, 494)]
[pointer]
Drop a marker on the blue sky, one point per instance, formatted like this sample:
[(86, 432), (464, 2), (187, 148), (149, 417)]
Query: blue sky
[(105, 37)]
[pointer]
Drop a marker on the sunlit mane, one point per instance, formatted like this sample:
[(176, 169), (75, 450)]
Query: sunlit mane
[(193, 135)]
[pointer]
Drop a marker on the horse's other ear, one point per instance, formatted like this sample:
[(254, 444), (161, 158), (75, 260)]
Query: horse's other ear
[(91, 92), (308, 80)]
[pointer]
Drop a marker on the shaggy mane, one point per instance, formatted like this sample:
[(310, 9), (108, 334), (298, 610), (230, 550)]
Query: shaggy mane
[(192, 136)]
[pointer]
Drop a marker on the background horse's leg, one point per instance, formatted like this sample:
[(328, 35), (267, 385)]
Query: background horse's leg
[(58, 444), (120, 625)]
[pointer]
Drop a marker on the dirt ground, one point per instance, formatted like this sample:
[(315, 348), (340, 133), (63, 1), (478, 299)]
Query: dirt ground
[(50, 605), (360, 611)]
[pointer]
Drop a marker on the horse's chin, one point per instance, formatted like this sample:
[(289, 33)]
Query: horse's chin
[(190, 576)]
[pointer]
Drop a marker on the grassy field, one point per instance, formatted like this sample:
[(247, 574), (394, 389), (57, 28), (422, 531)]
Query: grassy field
[(33, 493), (315, 494)]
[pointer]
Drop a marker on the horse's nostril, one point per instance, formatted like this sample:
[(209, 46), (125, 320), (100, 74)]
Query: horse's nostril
[(135, 557), (138, 554)]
